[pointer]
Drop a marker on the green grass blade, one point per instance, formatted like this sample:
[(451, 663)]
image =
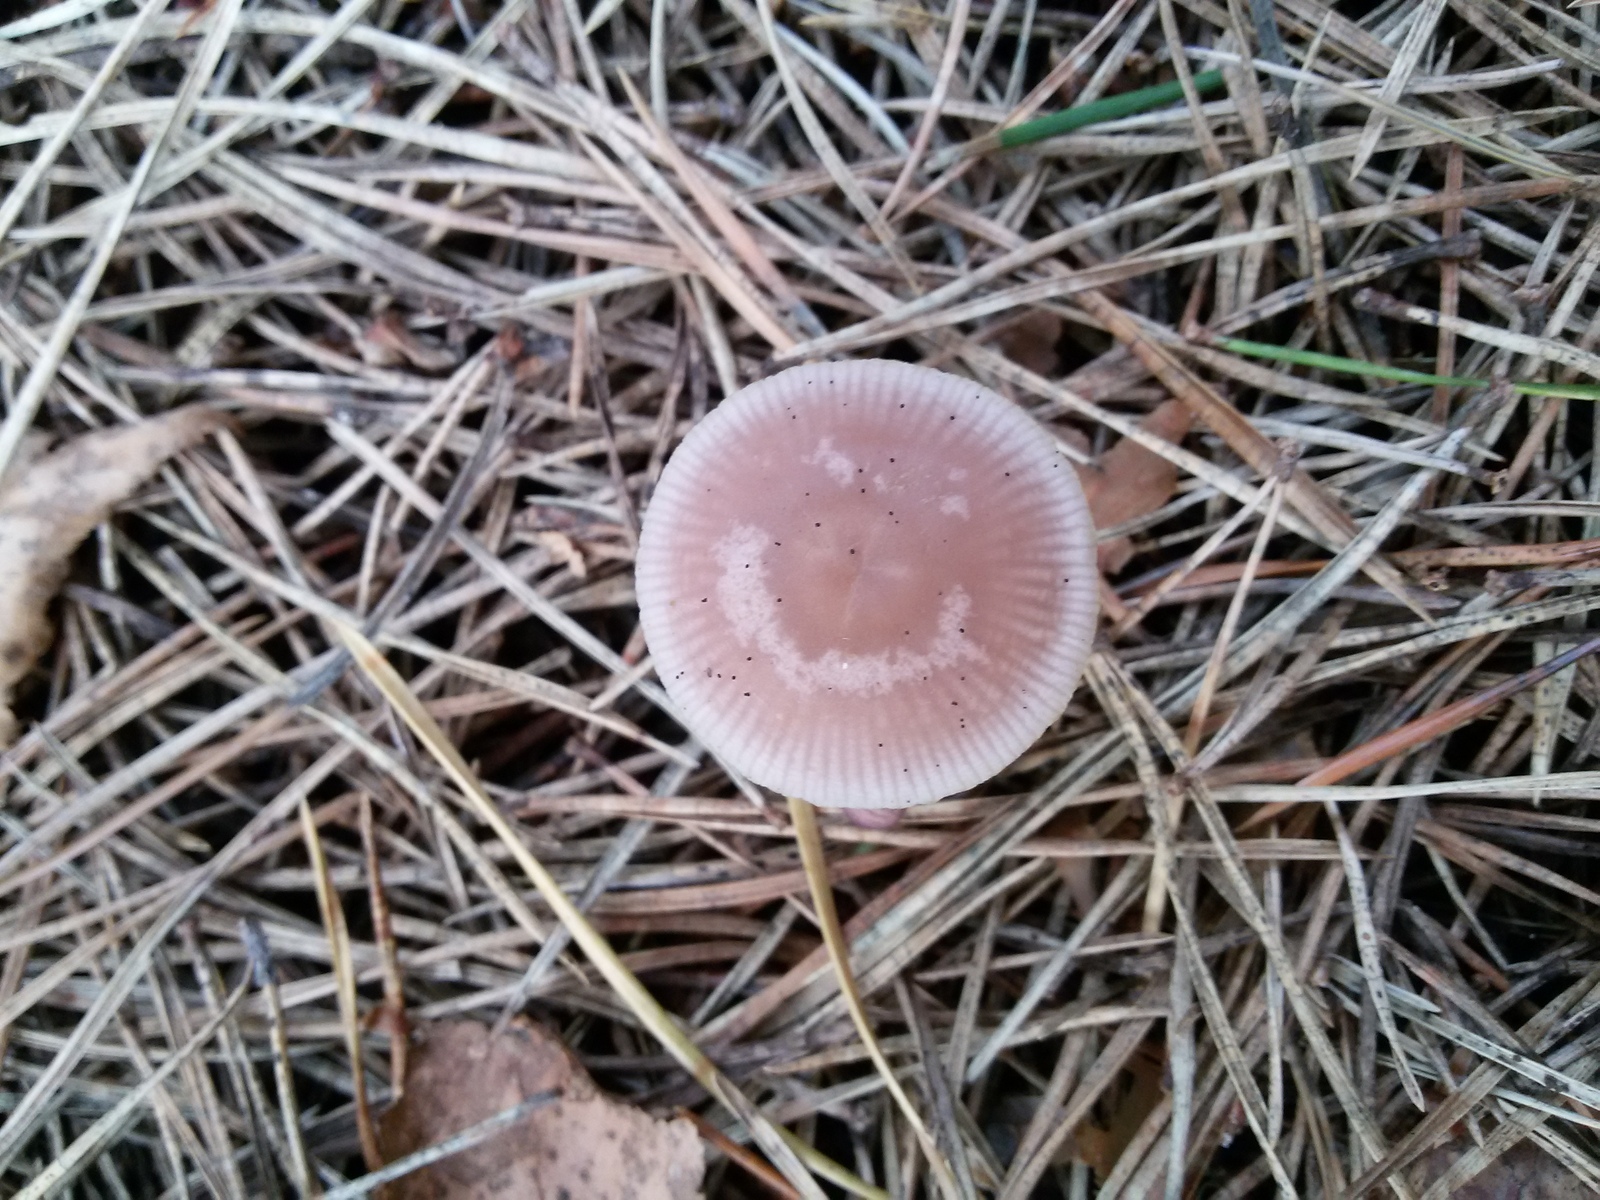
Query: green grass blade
[(1109, 109), (1354, 366)]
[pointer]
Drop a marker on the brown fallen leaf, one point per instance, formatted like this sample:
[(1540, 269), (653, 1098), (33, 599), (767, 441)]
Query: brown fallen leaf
[(585, 1146), (32, 445), (49, 503), (1134, 1100), (1524, 1172), (1031, 342), (1076, 873), (1130, 481)]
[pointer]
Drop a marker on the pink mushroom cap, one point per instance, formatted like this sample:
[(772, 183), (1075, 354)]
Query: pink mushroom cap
[(868, 584)]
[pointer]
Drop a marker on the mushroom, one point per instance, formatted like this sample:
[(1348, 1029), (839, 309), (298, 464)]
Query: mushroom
[(868, 584)]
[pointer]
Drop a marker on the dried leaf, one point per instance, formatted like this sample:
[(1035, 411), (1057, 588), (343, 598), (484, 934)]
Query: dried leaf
[(33, 444), (1077, 874), (1102, 1147), (584, 1146), (1130, 481), (1031, 342), (1524, 1172), (49, 503)]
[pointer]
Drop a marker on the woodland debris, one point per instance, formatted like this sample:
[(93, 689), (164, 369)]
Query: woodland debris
[(1130, 481), (49, 503), (584, 1146)]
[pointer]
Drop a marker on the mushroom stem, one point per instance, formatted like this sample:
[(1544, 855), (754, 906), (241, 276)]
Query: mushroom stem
[(809, 837)]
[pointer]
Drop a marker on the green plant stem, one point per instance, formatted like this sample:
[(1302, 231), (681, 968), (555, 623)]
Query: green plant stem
[(1126, 104), (1354, 366)]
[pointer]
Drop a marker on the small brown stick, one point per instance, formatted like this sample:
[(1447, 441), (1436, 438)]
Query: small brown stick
[(344, 972), (583, 327), (747, 1159), (392, 1015), (1449, 286), (1424, 729)]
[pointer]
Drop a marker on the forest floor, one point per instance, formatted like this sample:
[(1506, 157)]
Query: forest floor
[(332, 706)]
